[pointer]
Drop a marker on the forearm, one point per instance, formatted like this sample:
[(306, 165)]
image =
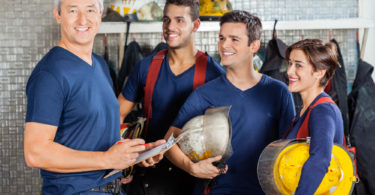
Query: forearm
[(55, 157), (311, 176), (41, 151), (179, 159), (175, 155), (202, 169), (315, 167), (321, 130)]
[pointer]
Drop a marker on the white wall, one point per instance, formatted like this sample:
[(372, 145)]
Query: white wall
[(366, 10)]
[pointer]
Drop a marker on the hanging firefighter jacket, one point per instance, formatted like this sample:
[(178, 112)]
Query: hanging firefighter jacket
[(132, 55), (160, 46), (337, 89), (362, 127), (275, 65), (111, 66)]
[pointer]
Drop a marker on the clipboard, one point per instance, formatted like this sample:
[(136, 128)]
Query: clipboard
[(150, 153)]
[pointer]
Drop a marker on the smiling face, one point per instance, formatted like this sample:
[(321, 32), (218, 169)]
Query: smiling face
[(301, 74), (178, 26), (79, 20), (233, 44)]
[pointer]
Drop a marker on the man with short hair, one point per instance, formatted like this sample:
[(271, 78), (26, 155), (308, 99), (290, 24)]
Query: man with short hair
[(261, 109), (174, 74), (72, 119)]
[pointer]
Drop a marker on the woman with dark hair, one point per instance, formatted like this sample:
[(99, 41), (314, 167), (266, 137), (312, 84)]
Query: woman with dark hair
[(311, 65)]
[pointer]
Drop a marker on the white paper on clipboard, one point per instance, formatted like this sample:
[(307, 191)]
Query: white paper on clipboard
[(157, 150), (150, 153)]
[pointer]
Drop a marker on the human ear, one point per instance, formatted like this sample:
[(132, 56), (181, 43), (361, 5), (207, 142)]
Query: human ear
[(254, 46), (319, 74), (196, 24), (57, 15)]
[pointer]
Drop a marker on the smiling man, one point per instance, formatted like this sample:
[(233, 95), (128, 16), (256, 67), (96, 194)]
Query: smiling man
[(163, 81), (261, 109), (72, 119)]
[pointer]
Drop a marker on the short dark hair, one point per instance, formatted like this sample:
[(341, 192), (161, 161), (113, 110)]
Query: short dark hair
[(193, 4), (320, 55), (253, 23)]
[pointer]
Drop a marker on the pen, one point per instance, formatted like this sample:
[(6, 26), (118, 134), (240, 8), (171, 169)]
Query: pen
[(118, 142)]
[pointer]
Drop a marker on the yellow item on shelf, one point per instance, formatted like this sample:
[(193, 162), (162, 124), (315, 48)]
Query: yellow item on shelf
[(286, 159), (124, 7), (214, 8), (145, 10)]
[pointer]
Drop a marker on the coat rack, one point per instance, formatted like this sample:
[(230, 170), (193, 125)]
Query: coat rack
[(329, 24)]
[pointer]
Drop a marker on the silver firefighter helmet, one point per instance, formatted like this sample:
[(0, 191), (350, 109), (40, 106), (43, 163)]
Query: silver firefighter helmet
[(208, 135)]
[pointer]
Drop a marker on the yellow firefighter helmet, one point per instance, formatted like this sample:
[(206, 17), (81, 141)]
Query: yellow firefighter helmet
[(209, 9), (145, 10), (281, 162)]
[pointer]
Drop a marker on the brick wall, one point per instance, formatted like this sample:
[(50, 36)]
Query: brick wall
[(25, 36)]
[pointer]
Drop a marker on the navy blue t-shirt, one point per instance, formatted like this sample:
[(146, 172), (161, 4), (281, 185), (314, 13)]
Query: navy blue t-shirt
[(65, 91), (325, 128), (259, 115), (169, 94)]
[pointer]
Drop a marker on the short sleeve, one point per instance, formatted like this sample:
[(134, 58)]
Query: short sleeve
[(133, 90), (45, 99)]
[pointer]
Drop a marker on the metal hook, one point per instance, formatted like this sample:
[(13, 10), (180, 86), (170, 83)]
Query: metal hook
[(330, 34), (302, 35), (274, 30)]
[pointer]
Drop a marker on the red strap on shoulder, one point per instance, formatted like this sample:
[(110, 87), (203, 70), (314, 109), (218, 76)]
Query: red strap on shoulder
[(352, 150), (329, 86), (200, 69), (303, 131), (153, 73), (152, 76)]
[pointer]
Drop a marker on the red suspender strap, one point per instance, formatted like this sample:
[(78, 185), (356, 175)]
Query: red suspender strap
[(153, 73), (353, 151), (152, 76), (200, 69), (303, 131), (329, 86)]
